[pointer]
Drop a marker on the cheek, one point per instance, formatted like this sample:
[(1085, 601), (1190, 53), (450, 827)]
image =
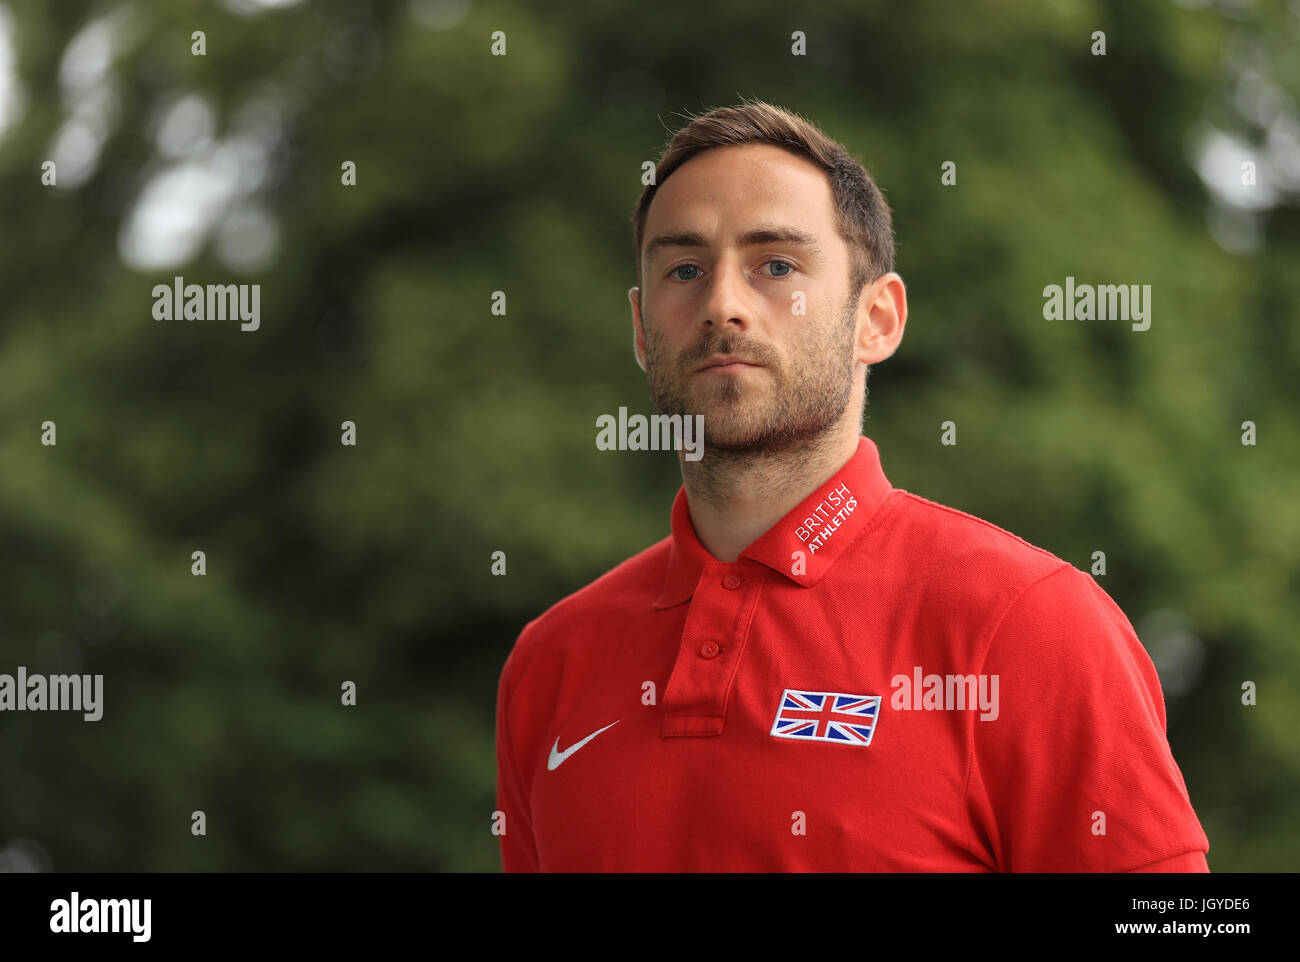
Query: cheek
[(661, 328), (655, 346)]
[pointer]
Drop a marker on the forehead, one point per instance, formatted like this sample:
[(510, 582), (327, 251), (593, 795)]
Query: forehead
[(726, 189)]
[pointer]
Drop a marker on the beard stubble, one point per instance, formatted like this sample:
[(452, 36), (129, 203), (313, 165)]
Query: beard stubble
[(785, 405)]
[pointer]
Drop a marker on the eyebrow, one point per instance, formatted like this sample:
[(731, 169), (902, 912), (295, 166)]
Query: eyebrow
[(766, 234)]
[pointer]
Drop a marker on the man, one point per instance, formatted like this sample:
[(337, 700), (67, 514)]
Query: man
[(817, 671)]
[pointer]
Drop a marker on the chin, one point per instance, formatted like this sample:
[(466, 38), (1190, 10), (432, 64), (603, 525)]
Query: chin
[(729, 434)]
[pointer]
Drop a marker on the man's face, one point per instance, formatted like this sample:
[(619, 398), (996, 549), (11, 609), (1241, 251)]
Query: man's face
[(776, 305)]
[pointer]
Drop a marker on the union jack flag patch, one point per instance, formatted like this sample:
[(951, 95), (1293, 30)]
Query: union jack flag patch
[(827, 716)]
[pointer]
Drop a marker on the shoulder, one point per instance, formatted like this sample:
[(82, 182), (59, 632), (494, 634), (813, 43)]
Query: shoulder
[(637, 581), (977, 546), (951, 561), (1039, 588)]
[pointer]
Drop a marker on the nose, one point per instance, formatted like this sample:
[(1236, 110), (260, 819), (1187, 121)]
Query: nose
[(728, 303)]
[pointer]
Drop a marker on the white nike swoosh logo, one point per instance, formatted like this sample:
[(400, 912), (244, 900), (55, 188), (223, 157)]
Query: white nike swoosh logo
[(557, 757)]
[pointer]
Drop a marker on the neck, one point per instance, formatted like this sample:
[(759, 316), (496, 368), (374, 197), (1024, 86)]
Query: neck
[(737, 496)]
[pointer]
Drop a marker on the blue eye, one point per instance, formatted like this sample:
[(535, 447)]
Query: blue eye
[(691, 267)]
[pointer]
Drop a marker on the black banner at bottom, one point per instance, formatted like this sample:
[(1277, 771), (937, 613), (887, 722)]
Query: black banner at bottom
[(332, 912)]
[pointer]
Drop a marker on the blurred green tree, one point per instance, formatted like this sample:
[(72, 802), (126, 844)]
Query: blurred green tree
[(477, 173)]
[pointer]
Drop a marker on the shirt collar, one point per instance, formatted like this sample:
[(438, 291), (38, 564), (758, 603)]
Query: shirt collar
[(821, 527)]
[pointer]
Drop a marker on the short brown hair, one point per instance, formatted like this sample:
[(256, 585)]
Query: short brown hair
[(861, 213)]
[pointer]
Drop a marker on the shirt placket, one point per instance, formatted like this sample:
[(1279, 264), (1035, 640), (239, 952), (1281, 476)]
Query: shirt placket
[(714, 637)]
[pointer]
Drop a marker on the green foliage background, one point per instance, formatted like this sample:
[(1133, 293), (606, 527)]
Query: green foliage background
[(475, 432)]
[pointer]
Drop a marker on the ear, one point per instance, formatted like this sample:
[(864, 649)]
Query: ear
[(638, 333), (882, 317)]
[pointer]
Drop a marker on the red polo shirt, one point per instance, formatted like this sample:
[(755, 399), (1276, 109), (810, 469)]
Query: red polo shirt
[(878, 683)]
